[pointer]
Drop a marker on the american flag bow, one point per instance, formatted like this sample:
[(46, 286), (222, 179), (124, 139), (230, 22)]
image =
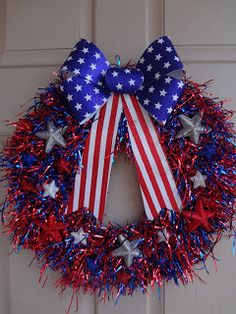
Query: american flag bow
[(95, 90)]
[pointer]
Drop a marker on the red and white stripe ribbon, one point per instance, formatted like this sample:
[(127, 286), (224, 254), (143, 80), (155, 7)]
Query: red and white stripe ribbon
[(155, 178), (91, 183)]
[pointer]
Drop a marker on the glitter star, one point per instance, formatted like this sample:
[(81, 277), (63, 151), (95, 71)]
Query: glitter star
[(198, 180), (80, 236), (128, 250), (50, 189), (199, 217), (53, 136), (192, 127)]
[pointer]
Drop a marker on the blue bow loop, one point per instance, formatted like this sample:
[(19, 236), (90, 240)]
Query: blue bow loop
[(161, 89), (87, 61), (84, 98), (159, 59), (84, 87)]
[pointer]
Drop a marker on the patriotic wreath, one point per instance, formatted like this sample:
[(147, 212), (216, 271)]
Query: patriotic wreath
[(58, 164)]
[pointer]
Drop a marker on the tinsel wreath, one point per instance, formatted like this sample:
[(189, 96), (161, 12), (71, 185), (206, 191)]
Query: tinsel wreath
[(40, 164)]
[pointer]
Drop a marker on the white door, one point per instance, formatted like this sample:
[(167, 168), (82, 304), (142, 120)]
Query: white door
[(35, 38)]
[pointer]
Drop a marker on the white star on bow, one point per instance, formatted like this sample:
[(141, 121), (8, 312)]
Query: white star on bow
[(88, 77), (158, 57), (169, 110), (78, 106), (97, 55), (69, 97), (96, 107), (142, 60), (167, 65), (198, 180), (131, 82), (50, 189), (76, 71), (158, 106), (127, 71), (169, 49), (78, 88), (175, 97), (85, 50), (65, 68), (149, 67), (87, 115), (96, 90), (87, 97), (150, 49), (157, 76), (168, 80), (80, 236), (151, 89), (176, 58), (114, 74), (180, 84), (80, 60), (160, 41), (163, 92), (146, 101), (93, 66), (119, 86)]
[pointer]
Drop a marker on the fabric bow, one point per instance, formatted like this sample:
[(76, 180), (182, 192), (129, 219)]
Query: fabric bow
[(86, 88), (151, 89)]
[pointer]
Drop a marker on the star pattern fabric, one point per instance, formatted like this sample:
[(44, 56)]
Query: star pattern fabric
[(90, 79), (125, 81), (157, 63), (85, 67)]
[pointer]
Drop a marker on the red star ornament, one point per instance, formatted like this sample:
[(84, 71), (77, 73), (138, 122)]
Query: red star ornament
[(27, 186), (123, 276), (52, 228), (64, 166), (199, 217)]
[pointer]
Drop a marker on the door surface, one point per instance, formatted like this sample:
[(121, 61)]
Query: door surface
[(35, 38)]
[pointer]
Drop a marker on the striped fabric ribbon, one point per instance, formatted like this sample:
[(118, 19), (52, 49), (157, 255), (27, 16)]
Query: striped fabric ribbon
[(156, 182)]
